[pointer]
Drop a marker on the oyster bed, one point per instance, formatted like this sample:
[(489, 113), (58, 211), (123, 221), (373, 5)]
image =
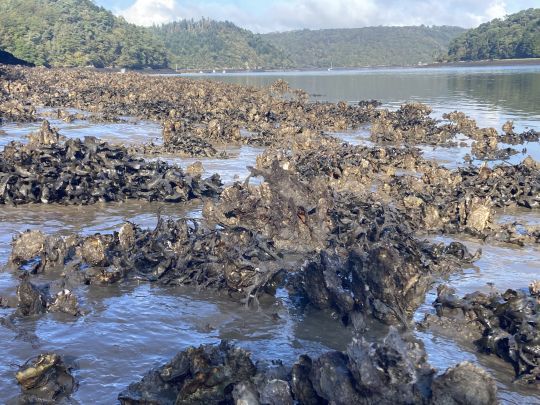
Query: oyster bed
[(320, 260)]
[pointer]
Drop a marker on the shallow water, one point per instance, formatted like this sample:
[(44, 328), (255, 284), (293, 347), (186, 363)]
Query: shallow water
[(500, 267), (130, 328), (491, 94)]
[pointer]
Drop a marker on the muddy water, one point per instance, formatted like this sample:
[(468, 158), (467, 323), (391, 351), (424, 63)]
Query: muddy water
[(130, 328)]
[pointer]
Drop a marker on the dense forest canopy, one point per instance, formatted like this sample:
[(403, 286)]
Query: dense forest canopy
[(75, 33), (79, 33), (210, 44), (516, 36), (367, 46)]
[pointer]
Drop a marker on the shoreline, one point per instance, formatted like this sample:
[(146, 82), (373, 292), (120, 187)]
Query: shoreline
[(482, 63), (204, 72)]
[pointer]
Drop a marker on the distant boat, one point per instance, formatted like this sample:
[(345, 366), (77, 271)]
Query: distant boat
[(331, 66), (214, 71), (224, 72)]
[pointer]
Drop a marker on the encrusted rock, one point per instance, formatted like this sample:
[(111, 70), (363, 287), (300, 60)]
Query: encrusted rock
[(45, 379)]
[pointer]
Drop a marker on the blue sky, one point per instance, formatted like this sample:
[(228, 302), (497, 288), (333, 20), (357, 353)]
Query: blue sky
[(281, 15)]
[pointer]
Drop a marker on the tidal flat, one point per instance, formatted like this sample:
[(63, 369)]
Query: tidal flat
[(186, 240)]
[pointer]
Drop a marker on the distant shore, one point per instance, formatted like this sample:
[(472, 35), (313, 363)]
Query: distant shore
[(490, 62), (480, 63), (496, 62)]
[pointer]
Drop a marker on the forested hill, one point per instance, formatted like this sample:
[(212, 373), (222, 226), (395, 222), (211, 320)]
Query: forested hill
[(211, 44), (516, 36), (79, 33), (75, 33), (367, 46)]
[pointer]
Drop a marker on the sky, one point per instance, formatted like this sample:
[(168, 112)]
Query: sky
[(283, 15)]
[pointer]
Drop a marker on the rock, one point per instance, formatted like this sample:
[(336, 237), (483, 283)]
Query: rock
[(391, 371), (127, 235), (65, 301), (394, 371), (276, 392), (301, 385), (464, 383), (412, 202), (32, 300), (46, 136), (479, 216), (206, 374), (45, 378), (503, 324), (245, 393), (332, 380), (195, 169), (26, 246), (93, 250), (534, 288), (90, 171)]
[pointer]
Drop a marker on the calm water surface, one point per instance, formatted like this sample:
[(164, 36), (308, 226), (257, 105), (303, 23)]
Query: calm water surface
[(133, 327)]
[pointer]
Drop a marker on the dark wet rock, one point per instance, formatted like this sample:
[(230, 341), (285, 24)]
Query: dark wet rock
[(449, 388), (394, 371), (32, 299), (373, 264), (64, 301), (301, 385), (506, 325), (36, 252), (276, 392), (85, 172), (234, 260), (206, 374), (37, 300), (45, 379), (384, 271)]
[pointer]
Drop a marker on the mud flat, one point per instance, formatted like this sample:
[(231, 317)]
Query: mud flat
[(158, 268)]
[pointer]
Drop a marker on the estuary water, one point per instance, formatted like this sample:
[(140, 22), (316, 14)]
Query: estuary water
[(130, 328)]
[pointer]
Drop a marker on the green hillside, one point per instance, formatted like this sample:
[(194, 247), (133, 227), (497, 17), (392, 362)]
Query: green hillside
[(516, 36), (74, 33), (214, 44), (367, 46)]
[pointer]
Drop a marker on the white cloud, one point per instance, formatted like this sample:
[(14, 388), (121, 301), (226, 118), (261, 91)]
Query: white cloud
[(148, 12), (297, 14)]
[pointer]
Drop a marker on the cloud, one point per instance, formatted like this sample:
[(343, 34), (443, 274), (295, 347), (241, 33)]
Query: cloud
[(281, 15), (148, 12)]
